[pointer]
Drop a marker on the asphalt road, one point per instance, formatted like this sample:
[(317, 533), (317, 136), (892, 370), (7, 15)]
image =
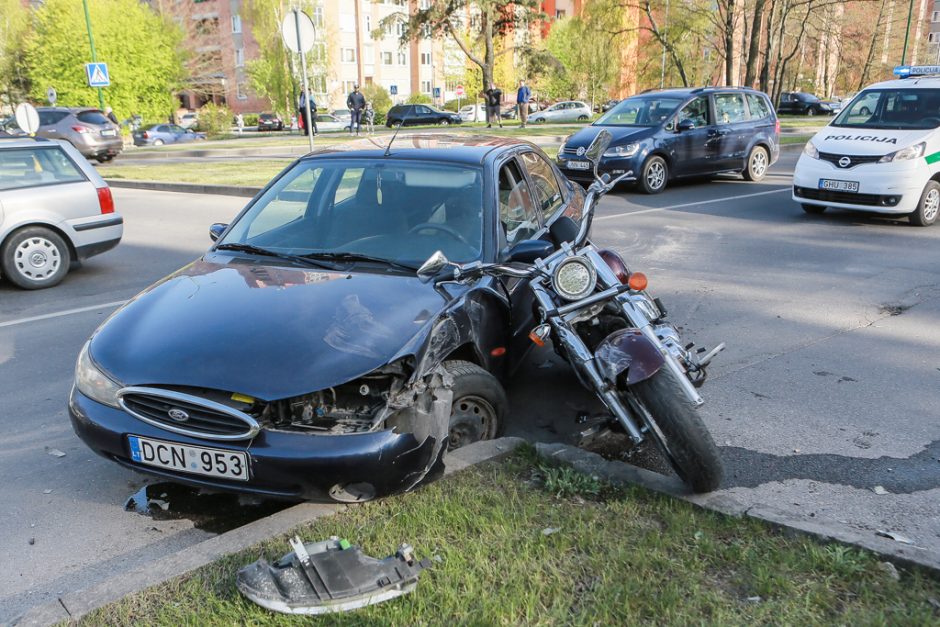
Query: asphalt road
[(829, 387)]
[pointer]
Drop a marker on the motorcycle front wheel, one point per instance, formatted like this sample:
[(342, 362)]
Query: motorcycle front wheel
[(678, 431)]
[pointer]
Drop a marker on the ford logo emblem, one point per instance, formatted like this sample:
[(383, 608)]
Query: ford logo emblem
[(845, 162), (178, 415), (581, 151)]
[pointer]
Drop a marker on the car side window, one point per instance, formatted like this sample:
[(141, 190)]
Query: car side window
[(547, 190), (48, 118), (759, 107), (161, 129), (516, 210), (729, 108), (423, 110), (30, 167), (696, 111), (177, 129)]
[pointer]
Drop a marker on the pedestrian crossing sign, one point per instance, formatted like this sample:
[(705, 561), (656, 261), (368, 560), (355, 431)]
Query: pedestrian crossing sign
[(97, 74)]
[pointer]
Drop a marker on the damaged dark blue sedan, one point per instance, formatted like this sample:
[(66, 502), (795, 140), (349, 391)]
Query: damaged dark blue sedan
[(302, 356)]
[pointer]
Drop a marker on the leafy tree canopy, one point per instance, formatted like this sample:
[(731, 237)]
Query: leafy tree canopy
[(142, 51)]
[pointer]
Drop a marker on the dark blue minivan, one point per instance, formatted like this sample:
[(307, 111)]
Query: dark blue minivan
[(667, 134)]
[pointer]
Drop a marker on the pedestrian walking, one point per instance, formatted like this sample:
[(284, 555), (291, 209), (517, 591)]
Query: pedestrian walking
[(240, 122), (109, 113), (523, 94), (494, 96), (370, 118), (356, 103), (302, 112)]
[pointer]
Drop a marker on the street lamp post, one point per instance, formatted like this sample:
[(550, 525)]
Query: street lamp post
[(94, 56)]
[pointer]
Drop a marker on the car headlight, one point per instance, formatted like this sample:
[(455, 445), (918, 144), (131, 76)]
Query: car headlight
[(574, 278), (627, 150), (810, 150), (564, 144), (905, 154), (93, 383)]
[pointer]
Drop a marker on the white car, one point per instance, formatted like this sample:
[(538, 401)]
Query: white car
[(189, 120), (568, 111), (880, 154), (327, 122), (472, 113)]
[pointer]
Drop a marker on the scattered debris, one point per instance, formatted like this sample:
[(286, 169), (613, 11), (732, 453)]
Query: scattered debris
[(889, 569), (879, 490), (550, 530), (55, 452), (934, 602), (897, 537), (329, 576), (438, 559), (47, 491), (32, 541), (754, 599)]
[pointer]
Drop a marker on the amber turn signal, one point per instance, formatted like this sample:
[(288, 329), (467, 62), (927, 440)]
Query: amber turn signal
[(535, 338), (637, 281)]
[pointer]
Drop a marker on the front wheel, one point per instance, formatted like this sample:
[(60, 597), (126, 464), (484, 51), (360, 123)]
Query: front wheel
[(480, 405), (928, 207), (654, 175), (810, 112), (582, 118), (678, 431), (444, 122)]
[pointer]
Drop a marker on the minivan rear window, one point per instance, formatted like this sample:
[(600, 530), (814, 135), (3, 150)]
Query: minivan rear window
[(729, 108), (33, 167), (758, 106), (92, 117)]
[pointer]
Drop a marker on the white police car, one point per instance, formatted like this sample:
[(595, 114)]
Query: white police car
[(881, 153)]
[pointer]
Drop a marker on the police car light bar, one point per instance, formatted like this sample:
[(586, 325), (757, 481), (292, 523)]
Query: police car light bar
[(907, 71)]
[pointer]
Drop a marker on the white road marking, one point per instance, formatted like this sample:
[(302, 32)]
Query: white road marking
[(693, 204), (59, 314)]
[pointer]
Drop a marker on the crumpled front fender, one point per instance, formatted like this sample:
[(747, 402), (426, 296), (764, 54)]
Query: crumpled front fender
[(628, 350)]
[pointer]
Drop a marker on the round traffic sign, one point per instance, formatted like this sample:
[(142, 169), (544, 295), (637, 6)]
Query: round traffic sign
[(27, 118), (52, 96), (459, 90), (298, 31)]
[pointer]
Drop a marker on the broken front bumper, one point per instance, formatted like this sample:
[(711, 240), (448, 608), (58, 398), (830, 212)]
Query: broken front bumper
[(283, 464)]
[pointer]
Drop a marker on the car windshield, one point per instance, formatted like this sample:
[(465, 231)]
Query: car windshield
[(640, 111), (398, 211), (892, 109)]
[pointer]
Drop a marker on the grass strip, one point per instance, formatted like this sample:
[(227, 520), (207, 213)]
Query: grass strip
[(253, 173), (523, 542)]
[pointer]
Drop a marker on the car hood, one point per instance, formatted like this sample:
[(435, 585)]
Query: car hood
[(267, 331), (621, 135), (866, 141)]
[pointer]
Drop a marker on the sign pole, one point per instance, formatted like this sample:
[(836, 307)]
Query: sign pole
[(907, 33), (91, 41), (303, 68)]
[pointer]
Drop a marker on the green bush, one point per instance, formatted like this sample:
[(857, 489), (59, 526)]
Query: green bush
[(378, 96), (251, 119), (451, 105), (215, 120), (419, 99)]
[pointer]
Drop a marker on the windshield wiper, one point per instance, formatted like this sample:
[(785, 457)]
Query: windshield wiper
[(258, 250), (346, 256)]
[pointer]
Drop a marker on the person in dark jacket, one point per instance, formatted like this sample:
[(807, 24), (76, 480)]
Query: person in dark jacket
[(494, 97), (356, 103)]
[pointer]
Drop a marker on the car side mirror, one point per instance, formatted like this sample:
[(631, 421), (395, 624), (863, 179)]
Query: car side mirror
[(527, 251), (216, 230), (685, 126)]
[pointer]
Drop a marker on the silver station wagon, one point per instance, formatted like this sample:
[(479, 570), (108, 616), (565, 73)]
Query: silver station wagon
[(55, 210)]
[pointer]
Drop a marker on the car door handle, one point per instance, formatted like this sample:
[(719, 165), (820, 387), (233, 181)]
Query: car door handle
[(718, 132)]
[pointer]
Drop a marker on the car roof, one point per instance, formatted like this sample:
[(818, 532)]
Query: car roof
[(685, 92), (68, 109), (441, 147), (915, 82), (20, 141)]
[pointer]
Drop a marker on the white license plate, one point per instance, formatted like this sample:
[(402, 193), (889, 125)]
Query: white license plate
[(838, 186), (192, 459), (108, 132), (578, 165)]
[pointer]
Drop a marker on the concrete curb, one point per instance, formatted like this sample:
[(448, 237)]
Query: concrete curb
[(818, 528), (185, 188), (74, 605)]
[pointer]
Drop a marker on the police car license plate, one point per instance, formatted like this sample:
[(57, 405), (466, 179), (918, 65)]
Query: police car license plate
[(579, 165), (838, 186), (191, 459)]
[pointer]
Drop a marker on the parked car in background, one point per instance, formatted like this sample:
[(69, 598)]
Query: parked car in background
[(87, 129), (673, 133), (567, 111), (160, 134), (343, 115), (189, 120), (472, 113), (511, 112), (800, 103), (270, 122), (56, 210), (418, 114), (327, 122), (607, 106), (10, 128)]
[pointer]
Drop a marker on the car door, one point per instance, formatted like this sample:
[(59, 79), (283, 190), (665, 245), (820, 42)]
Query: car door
[(731, 130), (423, 115), (691, 148)]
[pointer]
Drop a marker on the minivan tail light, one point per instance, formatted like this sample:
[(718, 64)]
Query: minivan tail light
[(777, 127), (146, 135), (81, 129), (105, 200)]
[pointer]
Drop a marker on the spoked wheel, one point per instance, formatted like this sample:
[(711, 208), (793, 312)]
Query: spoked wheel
[(756, 164), (479, 407), (929, 206), (654, 175), (678, 431)]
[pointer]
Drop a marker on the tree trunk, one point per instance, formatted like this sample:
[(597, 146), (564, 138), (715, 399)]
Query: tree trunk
[(769, 48), (871, 47), (753, 50), (489, 54), (729, 42)]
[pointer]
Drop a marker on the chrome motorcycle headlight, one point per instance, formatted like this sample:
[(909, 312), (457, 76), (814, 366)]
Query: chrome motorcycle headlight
[(93, 383), (574, 278)]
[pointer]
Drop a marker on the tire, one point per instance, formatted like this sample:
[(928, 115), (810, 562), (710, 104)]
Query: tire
[(158, 142), (480, 404), (34, 258), (813, 209), (539, 120), (757, 163), (104, 158), (582, 118), (810, 111), (678, 431), (929, 206), (443, 122), (653, 175)]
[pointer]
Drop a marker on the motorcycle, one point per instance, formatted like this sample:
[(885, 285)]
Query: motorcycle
[(601, 319)]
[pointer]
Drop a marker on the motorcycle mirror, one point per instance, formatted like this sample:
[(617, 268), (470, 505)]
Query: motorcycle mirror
[(527, 251), (432, 266), (598, 147), (216, 230)]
